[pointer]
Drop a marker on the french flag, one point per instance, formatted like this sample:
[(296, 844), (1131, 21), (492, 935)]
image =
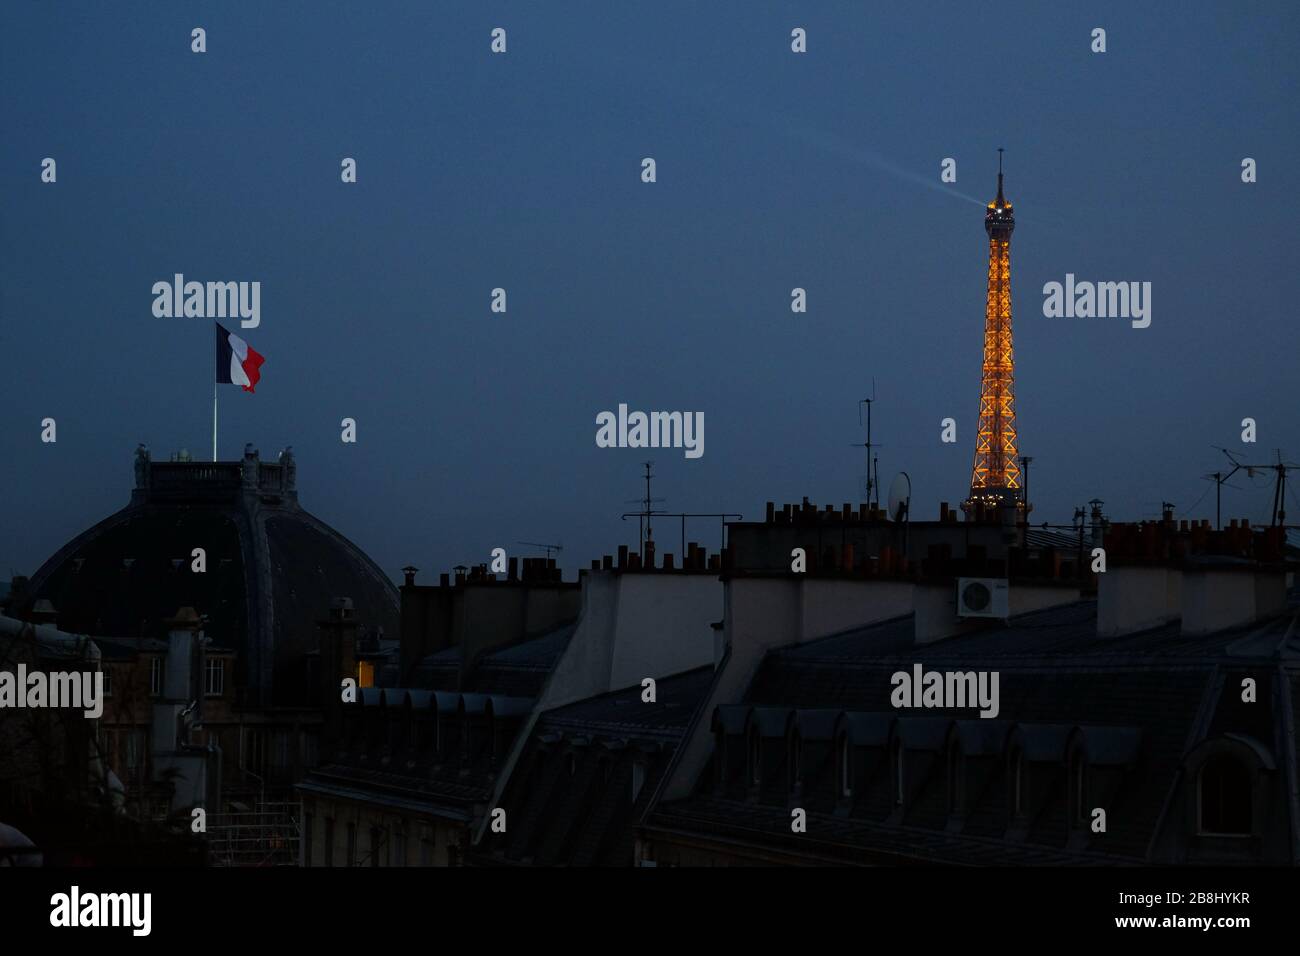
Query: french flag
[(237, 364)]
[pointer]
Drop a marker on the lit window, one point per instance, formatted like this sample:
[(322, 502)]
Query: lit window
[(214, 682), (365, 674), (155, 676)]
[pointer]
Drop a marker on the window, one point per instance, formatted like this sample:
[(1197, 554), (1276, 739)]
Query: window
[(846, 766), (352, 845), (1224, 797), (376, 841), (954, 779), (329, 841), (134, 751), (1078, 789), (214, 677), (755, 753), (796, 759), (1016, 783), (399, 847), (155, 677), (638, 778), (108, 681), (900, 790), (426, 847), (306, 839)]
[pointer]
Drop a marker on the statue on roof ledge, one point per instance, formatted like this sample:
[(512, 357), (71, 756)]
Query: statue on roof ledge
[(141, 464), (290, 468)]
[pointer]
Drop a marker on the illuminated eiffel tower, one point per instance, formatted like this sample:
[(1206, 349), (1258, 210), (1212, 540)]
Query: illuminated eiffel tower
[(995, 478)]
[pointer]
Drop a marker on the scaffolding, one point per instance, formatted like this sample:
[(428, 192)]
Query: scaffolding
[(268, 835)]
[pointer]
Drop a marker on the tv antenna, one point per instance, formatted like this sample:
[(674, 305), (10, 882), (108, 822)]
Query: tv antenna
[(1279, 468), (647, 504), (873, 462), (550, 549)]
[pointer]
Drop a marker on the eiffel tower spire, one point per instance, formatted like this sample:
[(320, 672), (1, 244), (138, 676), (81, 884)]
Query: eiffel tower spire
[(995, 477)]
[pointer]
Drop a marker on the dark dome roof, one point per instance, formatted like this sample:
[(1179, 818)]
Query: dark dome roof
[(272, 568)]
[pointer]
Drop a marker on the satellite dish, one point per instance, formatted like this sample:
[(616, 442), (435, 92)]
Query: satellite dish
[(900, 496)]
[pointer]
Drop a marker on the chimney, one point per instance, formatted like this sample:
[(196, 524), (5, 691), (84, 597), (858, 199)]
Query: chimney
[(409, 573), (1225, 592), (1137, 597), (1098, 522)]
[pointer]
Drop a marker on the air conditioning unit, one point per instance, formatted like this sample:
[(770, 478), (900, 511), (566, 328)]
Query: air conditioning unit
[(983, 597)]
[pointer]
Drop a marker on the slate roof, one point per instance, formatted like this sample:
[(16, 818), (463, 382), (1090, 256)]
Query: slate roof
[(518, 669), (588, 772), (443, 779), (1140, 703), (273, 570)]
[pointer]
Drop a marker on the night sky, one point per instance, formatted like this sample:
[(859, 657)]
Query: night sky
[(775, 170)]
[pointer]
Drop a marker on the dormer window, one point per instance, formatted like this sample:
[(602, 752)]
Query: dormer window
[(638, 777), (1224, 797), (899, 789), (954, 779), (845, 766), (1078, 789), (1016, 784)]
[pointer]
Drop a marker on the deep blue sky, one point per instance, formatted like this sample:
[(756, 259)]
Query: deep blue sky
[(522, 171)]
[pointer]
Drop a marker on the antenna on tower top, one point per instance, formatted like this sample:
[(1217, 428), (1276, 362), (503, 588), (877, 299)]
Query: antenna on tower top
[(1000, 199), (873, 464)]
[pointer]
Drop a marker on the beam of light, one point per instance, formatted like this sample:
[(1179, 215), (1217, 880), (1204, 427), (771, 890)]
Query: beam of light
[(790, 127)]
